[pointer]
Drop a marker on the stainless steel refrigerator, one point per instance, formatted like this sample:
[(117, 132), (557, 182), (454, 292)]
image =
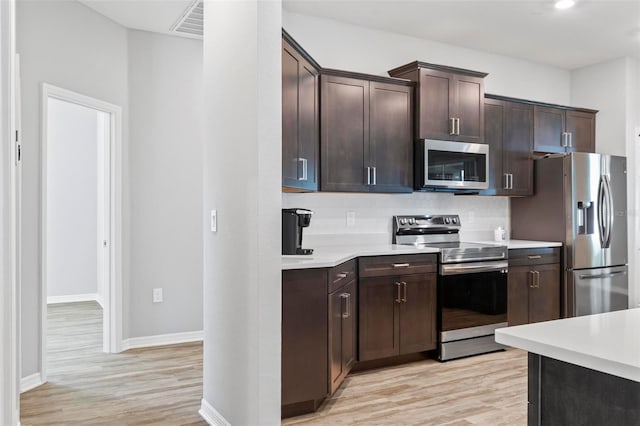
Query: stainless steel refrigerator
[(581, 200)]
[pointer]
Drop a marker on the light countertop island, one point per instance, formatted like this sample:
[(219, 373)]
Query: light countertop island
[(583, 370)]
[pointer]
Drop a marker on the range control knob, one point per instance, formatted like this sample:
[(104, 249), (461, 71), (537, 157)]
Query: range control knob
[(454, 220), (447, 220), (403, 221), (412, 221)]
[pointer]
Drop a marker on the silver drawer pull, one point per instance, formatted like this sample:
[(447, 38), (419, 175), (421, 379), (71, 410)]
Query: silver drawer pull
[(401, 265), (535, 257), (342, 275)]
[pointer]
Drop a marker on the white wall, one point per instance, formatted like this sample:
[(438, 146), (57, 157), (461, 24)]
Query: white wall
[(242, 179), (65, 44), (165, 111), (604, 87), (8, 364), (72, 199), (344, 46)]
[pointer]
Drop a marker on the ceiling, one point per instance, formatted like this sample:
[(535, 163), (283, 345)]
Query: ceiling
[(591, 32)]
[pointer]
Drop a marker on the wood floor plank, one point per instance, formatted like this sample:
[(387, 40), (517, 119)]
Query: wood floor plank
[(163, 385), (151, 386)]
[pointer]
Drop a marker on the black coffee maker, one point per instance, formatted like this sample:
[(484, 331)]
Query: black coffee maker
[(293, 220)]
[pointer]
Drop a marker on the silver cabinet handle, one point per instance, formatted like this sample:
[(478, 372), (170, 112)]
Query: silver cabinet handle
[(564, 140), (537, 256), (304, 169), (506, 181), (368, 175), (570, 136), (510, 180), (401, 265), (458, 126), (346, 312), (532, 279), (452, 127), (342, 275), (404, 292), (375, 175), (537, 279), (398, 290)]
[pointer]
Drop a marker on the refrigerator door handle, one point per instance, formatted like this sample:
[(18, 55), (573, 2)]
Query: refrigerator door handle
[(601, 222), (599, 276), (609, 208)]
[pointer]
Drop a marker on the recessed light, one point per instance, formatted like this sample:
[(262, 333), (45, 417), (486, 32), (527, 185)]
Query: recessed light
[(564, 4)]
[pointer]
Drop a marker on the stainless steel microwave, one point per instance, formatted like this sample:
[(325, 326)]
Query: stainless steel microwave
[(453, 165)]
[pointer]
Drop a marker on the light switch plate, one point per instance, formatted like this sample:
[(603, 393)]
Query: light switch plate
[(157, 295), (214, 221)]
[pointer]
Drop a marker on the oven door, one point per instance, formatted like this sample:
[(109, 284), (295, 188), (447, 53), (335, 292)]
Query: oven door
[(472, 299), (455, 165)]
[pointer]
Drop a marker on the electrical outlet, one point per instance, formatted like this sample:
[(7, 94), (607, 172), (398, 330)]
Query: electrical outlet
[(157, 295), (351, 218), (214, 221)]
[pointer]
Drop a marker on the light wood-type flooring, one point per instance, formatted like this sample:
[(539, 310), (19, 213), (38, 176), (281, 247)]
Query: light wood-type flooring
[(85, 386), (163, 385)]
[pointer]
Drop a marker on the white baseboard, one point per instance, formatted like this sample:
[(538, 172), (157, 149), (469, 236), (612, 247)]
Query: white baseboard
[(211, 415), (31, 382), (91, 297), (162, 340)]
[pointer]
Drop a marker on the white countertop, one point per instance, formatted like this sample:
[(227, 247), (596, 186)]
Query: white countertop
[(328, 257), (608, 342)]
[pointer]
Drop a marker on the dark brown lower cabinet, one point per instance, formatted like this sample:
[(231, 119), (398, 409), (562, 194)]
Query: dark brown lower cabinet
[(343, 305), (533, 290), (397, 315), (304, 340)]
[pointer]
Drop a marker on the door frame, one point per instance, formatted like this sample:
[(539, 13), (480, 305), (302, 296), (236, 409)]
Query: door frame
[(112, 300)]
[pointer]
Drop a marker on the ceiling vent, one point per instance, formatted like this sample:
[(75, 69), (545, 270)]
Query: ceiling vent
[(191, 23)]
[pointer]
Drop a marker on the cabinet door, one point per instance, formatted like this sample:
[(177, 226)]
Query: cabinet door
[(345, 134), (391, 137), (582, 129), (342, 333), (469, 108), (417, 313), (300, 121), (436, 105), (304, 335), (378, 318), (290, 68), (544, 298), (549, 126), (519, 280), (493, 135), (518, 147)]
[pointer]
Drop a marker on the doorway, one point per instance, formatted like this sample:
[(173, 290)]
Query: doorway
[(80, 249)]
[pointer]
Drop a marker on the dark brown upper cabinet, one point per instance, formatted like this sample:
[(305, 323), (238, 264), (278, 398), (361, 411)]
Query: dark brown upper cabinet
[(366, 133), (300, 118), (450, 101), (560, 129), (509, 132)]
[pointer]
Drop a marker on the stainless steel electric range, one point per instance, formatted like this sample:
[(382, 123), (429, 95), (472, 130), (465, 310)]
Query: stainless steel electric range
[(472, 284)]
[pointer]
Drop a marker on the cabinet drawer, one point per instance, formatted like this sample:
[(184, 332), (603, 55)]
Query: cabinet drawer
[(341, 275), (534, 256), (382, 266)]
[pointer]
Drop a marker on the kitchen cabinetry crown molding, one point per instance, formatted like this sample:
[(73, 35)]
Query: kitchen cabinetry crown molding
[(418, 64), (544, 104), (368, 77), (286, 36)]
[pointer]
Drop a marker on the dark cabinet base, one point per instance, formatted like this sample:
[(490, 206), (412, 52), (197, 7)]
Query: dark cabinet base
[(566, 394)]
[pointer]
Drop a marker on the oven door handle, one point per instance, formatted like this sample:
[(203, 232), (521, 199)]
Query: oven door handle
[(473, 268)]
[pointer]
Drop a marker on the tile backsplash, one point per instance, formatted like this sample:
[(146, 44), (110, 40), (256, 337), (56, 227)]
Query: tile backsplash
[(479, 215)]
